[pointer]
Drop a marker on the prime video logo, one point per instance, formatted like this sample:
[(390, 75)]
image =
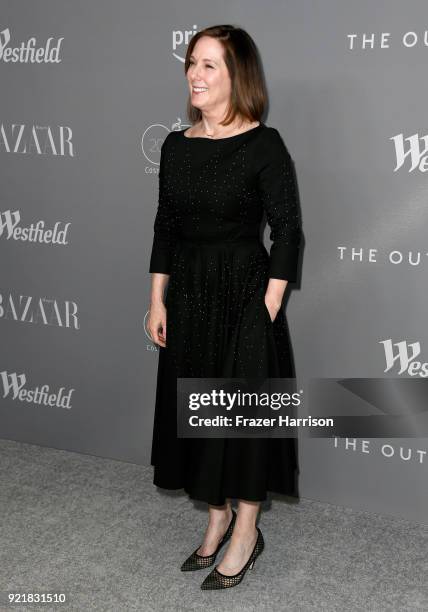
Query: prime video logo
[(179, 38)]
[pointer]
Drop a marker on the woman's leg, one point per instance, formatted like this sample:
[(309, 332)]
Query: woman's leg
[(243, 539), (219, 520)]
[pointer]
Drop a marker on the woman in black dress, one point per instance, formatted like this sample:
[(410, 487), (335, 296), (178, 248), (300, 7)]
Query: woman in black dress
[(222, 315)]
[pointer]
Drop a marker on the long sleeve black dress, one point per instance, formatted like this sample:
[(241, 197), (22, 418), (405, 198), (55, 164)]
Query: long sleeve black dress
[(212, 195)]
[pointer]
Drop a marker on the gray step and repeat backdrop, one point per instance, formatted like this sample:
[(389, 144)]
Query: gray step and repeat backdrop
[(89, 91)]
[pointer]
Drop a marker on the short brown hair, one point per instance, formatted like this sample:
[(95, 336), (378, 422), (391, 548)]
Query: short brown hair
[(249, 94)]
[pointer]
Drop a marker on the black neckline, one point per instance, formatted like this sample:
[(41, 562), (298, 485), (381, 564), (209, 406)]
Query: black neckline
[(257, 127)]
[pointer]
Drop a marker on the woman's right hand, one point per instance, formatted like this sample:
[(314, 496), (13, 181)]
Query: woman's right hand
[(157, 323)]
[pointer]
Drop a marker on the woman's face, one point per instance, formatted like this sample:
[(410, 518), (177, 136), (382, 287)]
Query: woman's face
[(208, 70)]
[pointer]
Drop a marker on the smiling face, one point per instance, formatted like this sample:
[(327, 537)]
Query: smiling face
[(208, 77)]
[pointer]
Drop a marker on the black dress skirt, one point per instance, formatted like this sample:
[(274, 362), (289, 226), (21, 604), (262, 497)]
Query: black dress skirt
[(207, 238)]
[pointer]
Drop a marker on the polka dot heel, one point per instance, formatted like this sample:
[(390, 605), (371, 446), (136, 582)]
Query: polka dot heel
[(217, 580), (196, 562)]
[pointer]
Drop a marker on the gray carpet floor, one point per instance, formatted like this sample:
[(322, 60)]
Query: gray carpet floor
[(99, 531)]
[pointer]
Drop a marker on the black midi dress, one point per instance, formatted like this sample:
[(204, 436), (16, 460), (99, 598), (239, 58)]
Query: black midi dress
[(213, 194)]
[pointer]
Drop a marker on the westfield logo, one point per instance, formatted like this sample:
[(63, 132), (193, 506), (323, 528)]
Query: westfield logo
[(411, 149), (27, 53), (14, 385), (11, 228), (404, 356)]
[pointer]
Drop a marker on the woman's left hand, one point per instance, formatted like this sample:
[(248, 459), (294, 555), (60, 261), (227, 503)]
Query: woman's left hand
[(273, 306)]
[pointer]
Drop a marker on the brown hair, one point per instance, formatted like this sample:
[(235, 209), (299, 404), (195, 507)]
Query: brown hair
[(249, 97)]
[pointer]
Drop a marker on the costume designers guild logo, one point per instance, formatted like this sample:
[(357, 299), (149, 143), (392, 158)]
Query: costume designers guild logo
[(11, 229), (151, 346), (403, 355), (27, 53), (152, 140)]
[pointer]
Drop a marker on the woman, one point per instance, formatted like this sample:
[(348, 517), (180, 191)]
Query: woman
[(223, 302)]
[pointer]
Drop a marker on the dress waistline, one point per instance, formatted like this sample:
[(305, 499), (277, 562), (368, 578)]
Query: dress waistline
[(195, 240)]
